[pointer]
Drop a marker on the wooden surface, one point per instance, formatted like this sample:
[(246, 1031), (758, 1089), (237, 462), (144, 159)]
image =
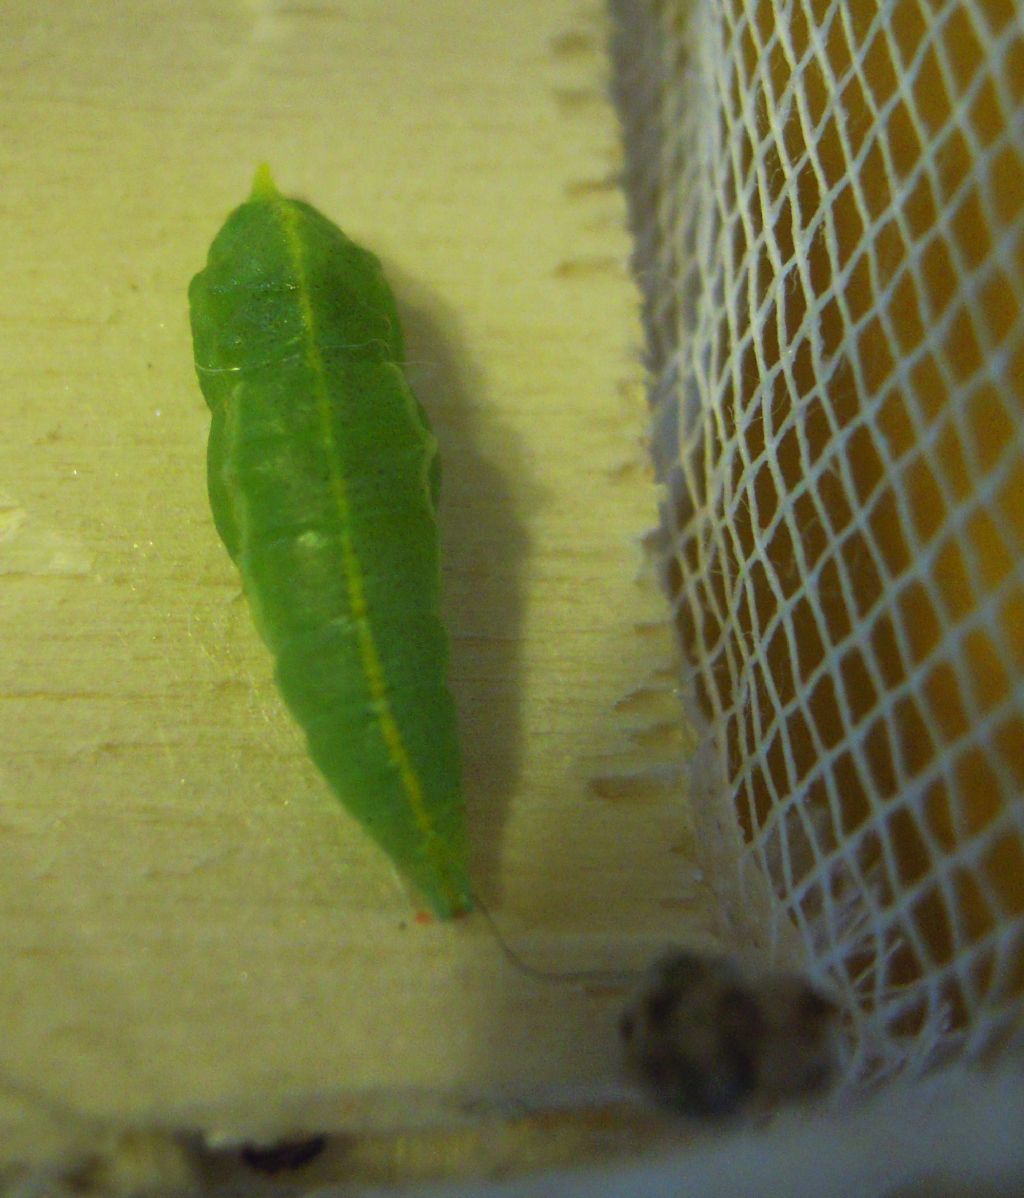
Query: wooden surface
[(194, 932)]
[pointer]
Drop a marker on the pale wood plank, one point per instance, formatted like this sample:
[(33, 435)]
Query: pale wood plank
[(190, 922)]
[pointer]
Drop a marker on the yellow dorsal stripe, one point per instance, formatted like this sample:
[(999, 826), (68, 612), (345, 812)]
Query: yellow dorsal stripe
[(372, 669)]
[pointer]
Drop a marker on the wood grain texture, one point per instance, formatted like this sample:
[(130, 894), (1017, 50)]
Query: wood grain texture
[(195, 933)]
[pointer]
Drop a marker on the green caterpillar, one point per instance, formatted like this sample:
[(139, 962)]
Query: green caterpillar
[(323, 479)]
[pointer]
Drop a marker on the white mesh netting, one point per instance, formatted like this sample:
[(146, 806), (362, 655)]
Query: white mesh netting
[(828, 198)]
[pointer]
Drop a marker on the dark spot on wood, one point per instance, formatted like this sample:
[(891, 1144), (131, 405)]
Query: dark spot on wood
[(640, 788), (285, 1156), (575, 99), (571, 44), (580, 189), (583, 268), (626, 1027)]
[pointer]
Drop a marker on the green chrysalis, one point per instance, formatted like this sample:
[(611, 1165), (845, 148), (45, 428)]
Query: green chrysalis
[(323, 480)]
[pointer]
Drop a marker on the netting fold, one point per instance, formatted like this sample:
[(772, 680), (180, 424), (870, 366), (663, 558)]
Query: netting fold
[(828, 199)]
